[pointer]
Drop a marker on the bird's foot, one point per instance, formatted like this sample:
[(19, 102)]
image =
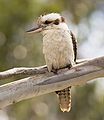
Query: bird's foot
[(54, 71), (69, 66)]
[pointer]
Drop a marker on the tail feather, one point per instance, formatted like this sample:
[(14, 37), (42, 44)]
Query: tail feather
[(65, 99)]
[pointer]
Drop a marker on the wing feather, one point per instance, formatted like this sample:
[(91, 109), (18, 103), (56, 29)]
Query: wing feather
[(74, 41)]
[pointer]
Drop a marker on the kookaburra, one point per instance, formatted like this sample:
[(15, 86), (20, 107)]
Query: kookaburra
[(59, 49)]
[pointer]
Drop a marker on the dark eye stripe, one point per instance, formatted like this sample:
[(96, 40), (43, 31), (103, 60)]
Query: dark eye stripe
[(47, 22), (56, 22)]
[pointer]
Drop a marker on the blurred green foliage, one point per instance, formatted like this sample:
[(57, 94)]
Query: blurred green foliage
[(19, 49)]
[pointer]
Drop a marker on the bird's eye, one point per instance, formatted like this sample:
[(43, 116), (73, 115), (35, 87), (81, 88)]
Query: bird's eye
[(57, 21), (47, 22)]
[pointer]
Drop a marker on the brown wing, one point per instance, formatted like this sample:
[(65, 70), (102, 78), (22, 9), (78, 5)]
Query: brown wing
[(74, 41)]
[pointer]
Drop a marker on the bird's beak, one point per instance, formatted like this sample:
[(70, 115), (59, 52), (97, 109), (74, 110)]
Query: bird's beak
[(35, 29)]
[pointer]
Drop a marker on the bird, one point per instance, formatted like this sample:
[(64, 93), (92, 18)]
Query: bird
[(59, 49)]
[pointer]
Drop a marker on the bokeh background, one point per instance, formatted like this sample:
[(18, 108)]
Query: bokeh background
[(86, 19)]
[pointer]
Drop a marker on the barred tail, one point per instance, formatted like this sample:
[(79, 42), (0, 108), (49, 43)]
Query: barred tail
[(65, 99)]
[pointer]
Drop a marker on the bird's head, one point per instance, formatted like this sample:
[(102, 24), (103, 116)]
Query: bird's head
[(48, 22)]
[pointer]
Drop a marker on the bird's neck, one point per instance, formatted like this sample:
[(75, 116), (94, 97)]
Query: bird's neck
[(61, 27)]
